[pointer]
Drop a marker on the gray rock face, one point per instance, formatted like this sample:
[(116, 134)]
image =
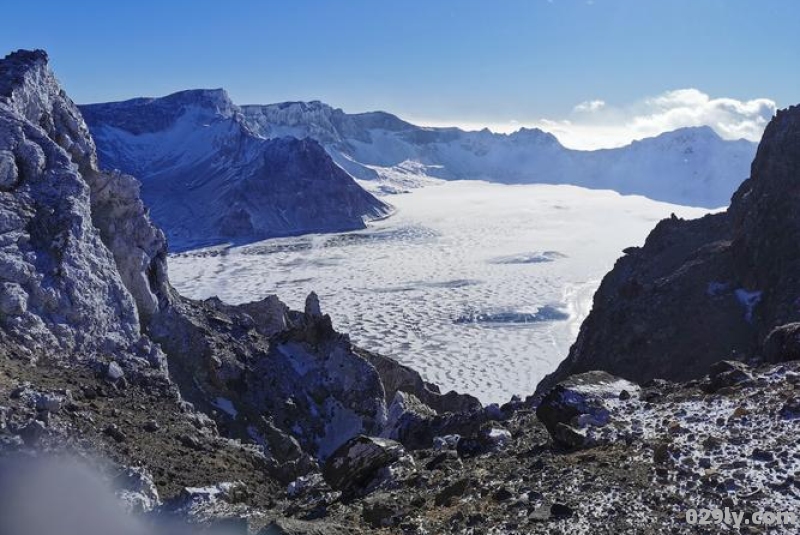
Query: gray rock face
[(705, 290), (208, 178), (406, 413), (62, 286)]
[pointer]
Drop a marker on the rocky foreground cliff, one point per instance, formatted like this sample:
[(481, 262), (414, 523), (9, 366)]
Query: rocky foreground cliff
[(722, 287), (126, 408)]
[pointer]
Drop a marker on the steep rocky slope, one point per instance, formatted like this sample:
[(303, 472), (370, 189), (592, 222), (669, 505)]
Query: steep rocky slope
[(207, 178), (690, 166), (101, 355), (724, 286), (256, 419)]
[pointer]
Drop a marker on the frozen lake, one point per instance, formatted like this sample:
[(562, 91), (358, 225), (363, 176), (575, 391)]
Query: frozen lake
[(481, 287)]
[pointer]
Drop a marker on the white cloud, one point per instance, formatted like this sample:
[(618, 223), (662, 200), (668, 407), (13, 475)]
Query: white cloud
[(596, 124), (612, 126), (589, 106)]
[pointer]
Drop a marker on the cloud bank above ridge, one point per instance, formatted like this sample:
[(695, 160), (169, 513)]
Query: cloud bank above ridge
[(597, 124)]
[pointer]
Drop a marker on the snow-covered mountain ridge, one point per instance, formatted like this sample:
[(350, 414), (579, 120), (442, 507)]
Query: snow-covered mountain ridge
[(690, 166), (209, 178)]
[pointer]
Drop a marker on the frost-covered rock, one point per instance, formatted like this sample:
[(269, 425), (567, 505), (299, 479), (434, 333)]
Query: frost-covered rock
[(406, 413), (580, 403), (71, 278), (114, 371), (137, 491)]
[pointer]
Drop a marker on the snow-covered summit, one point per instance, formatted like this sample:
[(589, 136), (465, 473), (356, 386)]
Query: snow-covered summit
[(147, 115), (209, 178), (691, 166)]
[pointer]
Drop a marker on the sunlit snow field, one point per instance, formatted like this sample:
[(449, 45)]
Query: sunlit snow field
[(481, 287)]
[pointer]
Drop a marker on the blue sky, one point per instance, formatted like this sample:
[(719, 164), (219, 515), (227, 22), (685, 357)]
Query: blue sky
[(500, 63)]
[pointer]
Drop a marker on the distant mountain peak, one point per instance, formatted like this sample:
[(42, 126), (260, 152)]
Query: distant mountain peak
[(209, 178)]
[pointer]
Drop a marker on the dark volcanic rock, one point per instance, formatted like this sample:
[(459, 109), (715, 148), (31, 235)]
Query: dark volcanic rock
[(353, 466), (708, 289), (304, 381), (728, 373), (578, 403), (783, 343), (399, 378)]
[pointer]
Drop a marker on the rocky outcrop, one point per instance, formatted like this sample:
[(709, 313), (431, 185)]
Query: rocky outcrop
[(208, 178), (297, 378), (704, 290), (399, 378), (79, 260)]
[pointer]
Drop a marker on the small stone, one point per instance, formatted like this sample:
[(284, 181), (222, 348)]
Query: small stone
[(624, 395), (502, 495), (382, 512), (32, 433), (49, 403), (711, 443), (740, 412), (446, 442), (113, 431), (560, 510), (661, 453), (449, 493), (675, 428), (190, 442), (114, 371), (540, 514), (151, 426), (762, 455), (443, 459), (791, 409)]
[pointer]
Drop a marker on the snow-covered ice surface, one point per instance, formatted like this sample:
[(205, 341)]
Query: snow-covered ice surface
[(480, 287)]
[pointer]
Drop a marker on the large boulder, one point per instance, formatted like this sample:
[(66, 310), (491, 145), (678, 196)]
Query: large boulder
[(359, 461), (783, 343), (576, 406)]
